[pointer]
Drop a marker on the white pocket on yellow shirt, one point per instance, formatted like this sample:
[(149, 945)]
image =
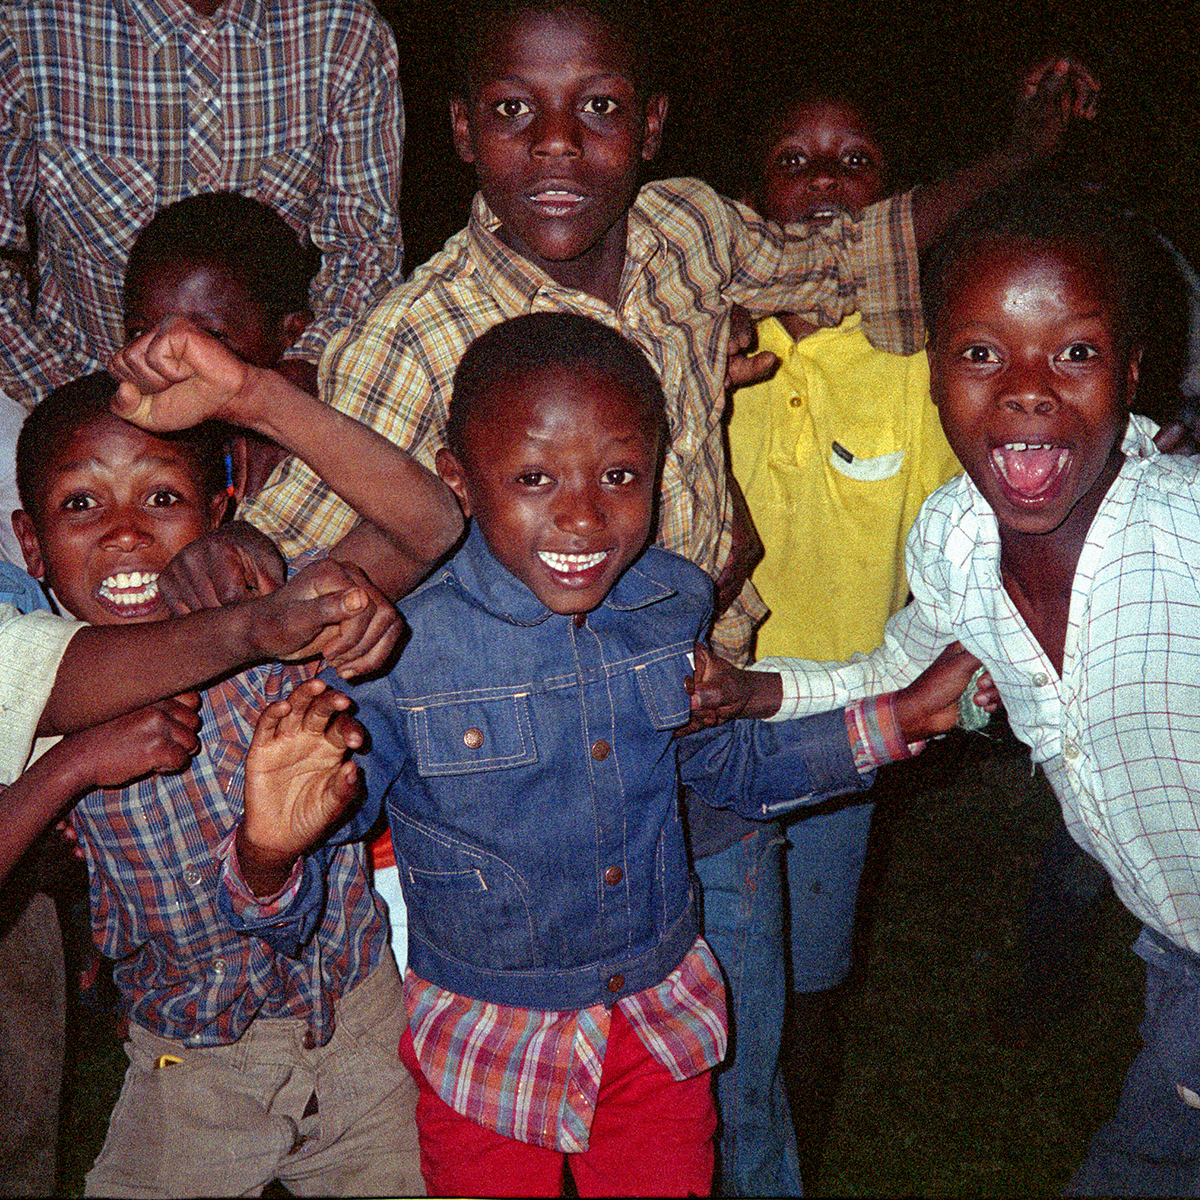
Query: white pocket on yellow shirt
[(883, 466)]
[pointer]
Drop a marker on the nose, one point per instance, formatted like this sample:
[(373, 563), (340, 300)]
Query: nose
[(580, 510), (556, 134), (127, 528), (1029, 388), (824, 175)]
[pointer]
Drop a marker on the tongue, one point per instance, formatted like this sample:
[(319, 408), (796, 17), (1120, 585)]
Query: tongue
[(1030, 471)]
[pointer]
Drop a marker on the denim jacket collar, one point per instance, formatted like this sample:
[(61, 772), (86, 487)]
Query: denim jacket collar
[(476, 571)]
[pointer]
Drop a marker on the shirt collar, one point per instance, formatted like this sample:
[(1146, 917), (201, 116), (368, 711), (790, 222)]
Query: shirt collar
[(158, 20), (519, 287), (494, 588)]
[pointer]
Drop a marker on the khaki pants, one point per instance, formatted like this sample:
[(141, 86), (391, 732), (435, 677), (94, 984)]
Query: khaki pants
[(226, 1120)]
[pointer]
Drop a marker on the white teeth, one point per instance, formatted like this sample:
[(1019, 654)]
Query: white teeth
[(570, 563), (1026, 446), (130, 588)]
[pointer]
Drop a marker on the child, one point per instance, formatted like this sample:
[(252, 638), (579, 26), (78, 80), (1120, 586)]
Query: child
[(1066, 560), (277, 1048), (835, 455), (553, 946), (235, 268)]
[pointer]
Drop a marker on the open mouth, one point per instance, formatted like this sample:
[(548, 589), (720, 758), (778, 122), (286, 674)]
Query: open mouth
[(130, 593), (572, 564), (1029, 471), (556, 201)]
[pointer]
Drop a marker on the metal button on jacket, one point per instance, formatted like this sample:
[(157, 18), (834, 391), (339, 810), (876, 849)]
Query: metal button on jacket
[(473, 738), (600, 750), (616, 983), (613, 876)]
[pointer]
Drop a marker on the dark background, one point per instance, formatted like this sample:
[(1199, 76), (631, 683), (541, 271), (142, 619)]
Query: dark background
[(948, 72)]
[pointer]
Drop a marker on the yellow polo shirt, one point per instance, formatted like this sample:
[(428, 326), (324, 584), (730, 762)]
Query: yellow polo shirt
[(835, 454)]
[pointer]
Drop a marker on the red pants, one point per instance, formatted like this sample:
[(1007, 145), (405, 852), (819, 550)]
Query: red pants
[(651, 1135)]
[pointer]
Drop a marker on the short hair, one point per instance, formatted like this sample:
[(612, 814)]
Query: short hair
[(537, 341), (1041, 209), (77, 404), (245, 237), (635, 20)]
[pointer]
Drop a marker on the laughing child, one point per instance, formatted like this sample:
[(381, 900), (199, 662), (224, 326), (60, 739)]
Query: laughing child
[(562, 1003), (1067, 560), (277, 1050)]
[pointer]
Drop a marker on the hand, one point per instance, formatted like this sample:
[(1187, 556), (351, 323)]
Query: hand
[(330, 609), (1177, 438), (745, 550), (156, 740), (741, 367), (1052, 95), (228, 564), (721, 692), (176, 376), (929, 705), (298, 779)]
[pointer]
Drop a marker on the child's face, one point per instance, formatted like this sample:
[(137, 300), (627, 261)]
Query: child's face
[(1032, 379), (213, 298), (117, 505), (559, 473), (822, 161), (557, 132)]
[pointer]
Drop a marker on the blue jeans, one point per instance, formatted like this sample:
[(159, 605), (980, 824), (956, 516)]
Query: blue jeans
[(743, 923), (825, 857)]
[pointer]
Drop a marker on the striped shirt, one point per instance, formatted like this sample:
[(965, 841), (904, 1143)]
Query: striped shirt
[(534, 1075), (1119, 732), (111, 109), (689, 255), (160, 862)]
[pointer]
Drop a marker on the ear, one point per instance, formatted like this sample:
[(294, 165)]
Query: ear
[(31, 548), (293, 325), (454, 477), (460, 126), (656, 115), (218, 505), (1132, 370)]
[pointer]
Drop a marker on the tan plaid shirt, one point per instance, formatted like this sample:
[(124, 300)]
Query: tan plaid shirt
[(690, 254)]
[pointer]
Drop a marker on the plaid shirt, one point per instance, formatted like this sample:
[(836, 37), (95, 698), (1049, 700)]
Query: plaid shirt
[(689, 255), (534, 1075), (111, 109), (159, 862), (1119, 732)]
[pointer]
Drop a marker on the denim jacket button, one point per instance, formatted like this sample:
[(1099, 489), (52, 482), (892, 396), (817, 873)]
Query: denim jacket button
[(613, 876), (616, 983), (600, 750), (473, 738)]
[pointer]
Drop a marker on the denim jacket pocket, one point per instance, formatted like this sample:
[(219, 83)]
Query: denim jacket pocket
[(464, 736), (661, 685)]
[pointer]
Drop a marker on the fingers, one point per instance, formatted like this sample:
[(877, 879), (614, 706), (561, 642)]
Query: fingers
[(742, 370)]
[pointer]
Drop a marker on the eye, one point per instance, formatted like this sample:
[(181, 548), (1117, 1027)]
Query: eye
[(618, 477), (1079, 352), (791, 160), (133, 332), (532, 479), (600, 106), (859, 160), (163, 498), (980, 354), (79, 502), (511, 107)]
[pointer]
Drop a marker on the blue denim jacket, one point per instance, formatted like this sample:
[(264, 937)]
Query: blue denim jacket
[(531, 779)]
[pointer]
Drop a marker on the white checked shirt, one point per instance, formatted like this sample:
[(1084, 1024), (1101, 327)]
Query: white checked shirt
[(1119, 733)]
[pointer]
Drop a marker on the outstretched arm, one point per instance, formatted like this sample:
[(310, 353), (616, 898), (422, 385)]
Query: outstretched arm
[(1051, 96), (299, 782), (176, 376)]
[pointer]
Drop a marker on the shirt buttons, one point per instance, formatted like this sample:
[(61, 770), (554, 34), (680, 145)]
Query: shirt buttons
[(616, 983), (1041, 679), (309, 1039), (1070, 749), (220, 967), (204, 179), (600, 750), (795, 402), (473, 738), (580, 620), (613, 876), (191, 875)]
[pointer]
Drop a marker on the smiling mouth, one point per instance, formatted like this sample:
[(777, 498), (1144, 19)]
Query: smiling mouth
[(571, 564), (1030, 471), (130, 591), (556, 202)]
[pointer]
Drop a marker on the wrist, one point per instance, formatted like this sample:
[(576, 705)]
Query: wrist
[(264, 869), (766, 694)]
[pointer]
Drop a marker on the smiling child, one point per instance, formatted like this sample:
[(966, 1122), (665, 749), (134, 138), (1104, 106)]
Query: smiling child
[(1066, 558)]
